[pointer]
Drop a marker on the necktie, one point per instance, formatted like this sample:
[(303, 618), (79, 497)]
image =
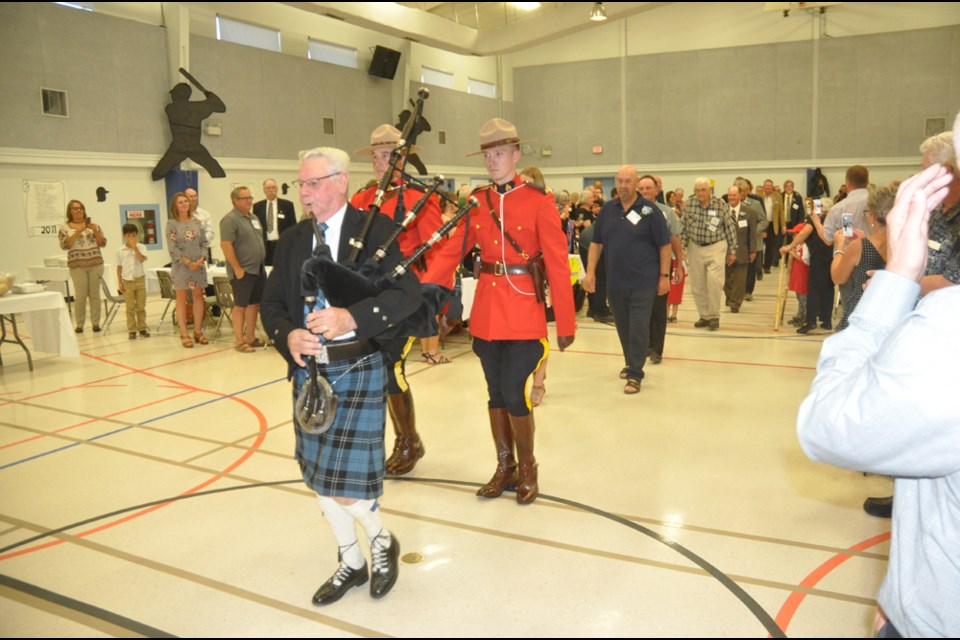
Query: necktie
[(321, 247), (270, 224)]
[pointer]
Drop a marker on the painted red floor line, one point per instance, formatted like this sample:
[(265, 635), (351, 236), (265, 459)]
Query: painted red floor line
[(261, 436), (793, 601), (92, 420), (119, 375)]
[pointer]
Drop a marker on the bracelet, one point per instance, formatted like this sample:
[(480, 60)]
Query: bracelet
[(664, 275), (838, 252)]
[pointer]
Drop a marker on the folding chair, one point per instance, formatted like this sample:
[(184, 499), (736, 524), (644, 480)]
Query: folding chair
[(166, 292), (111, 304), (224, 298)]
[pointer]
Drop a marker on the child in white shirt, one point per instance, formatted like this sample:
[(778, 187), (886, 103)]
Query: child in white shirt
[(133, 282)]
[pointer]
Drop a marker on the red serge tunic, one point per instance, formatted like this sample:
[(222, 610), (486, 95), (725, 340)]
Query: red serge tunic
[(505, 307), (422, 227)]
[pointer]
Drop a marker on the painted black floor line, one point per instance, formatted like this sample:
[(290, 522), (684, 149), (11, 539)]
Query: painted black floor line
[(758, 612), (752, 605), (82, 607)]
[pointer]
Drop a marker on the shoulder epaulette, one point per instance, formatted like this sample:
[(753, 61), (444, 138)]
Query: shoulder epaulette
[(486, 185)]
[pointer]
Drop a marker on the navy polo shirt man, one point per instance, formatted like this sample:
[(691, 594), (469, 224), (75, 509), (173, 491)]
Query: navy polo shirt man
[(633, 238)]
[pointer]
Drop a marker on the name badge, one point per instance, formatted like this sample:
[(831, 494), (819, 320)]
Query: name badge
[(933, 244), (281, 216), (255, 223), (633, 217), (796, 206), (742, 224)]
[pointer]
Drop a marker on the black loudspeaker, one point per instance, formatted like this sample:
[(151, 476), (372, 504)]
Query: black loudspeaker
[(384, 63)]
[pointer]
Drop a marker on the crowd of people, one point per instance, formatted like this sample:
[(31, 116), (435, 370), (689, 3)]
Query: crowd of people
[(638, 247)]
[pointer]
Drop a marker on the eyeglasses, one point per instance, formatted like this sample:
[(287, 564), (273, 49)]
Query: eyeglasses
[(313, 183)]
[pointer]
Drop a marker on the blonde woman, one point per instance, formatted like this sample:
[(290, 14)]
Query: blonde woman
[(188, 261)]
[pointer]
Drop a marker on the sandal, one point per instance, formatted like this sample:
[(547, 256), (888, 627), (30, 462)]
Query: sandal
[(186, 342), (244, 347), (632, 387), (623, 373), (536, 394), (199, 338), (257, 342), (672, 319), (435, 358)]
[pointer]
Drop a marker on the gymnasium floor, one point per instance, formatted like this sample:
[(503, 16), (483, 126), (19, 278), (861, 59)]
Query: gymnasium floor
[(148, 489)]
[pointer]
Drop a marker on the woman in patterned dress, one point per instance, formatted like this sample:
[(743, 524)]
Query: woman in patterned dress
[(188, 255)]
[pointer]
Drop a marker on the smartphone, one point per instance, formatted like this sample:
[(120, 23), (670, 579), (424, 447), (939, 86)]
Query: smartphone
[(847, 225), (818, 206)]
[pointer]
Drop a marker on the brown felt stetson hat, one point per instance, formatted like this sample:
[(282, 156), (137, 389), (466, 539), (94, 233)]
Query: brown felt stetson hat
[(386, 136), (495, 133)]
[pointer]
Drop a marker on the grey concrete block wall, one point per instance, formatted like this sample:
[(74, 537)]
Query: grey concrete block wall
[(570, 108), (276, 103), (113, 70), (752, 103), (459, 114)]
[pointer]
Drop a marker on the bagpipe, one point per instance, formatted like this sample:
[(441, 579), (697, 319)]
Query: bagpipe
[(344, 285)]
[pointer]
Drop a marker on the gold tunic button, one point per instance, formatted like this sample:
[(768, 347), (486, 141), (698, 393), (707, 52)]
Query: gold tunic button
[(493, 284), (496, 242), (519, 228)]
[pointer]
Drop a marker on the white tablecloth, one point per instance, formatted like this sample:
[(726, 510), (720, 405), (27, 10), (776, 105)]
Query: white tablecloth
[(45, 320)]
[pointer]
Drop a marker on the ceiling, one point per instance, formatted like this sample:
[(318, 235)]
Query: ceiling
[(474, 28), (485, 16)]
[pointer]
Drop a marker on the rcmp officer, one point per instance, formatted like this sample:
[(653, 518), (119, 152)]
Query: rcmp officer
[(401, 197), (515, 221)]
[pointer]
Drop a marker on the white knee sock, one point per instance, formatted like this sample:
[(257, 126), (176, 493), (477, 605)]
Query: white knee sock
[(343, 530), (367, 514)]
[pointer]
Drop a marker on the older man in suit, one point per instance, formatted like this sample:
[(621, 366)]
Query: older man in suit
[(773, 239), (345, 464), (276, 216), (745, 218)]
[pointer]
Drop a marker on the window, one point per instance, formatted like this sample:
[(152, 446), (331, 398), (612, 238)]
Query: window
[(481, 88), (436, 77), (249, 34), (332, 53), (74, 5)]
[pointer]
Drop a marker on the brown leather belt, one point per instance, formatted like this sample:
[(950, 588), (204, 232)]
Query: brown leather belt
[(499, 269), (349, 350)]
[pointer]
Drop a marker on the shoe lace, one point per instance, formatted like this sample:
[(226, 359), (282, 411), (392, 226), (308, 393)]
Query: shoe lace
[(379, 552), (343, 572)]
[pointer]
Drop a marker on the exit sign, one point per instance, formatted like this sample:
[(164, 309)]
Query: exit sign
[(597, 150)]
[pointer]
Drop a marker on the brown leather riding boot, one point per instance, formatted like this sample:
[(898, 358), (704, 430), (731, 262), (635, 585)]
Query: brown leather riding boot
[(523, 435), (407, 448), (505, 477)]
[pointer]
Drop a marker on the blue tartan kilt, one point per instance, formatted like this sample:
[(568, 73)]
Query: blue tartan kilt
[(348, 460)]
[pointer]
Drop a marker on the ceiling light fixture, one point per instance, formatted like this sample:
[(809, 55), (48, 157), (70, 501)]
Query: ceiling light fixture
[(526, 6), (598, 13)]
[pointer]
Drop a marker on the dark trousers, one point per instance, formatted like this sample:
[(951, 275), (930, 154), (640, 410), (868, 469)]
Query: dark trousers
[(820, 292), (507, 364), (771, 247), (737, 277), (658, 324), (597, 301), (631, 310), (752, 276)]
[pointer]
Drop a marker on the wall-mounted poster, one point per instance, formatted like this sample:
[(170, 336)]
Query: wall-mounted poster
[(147, 218), (45, 203)]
